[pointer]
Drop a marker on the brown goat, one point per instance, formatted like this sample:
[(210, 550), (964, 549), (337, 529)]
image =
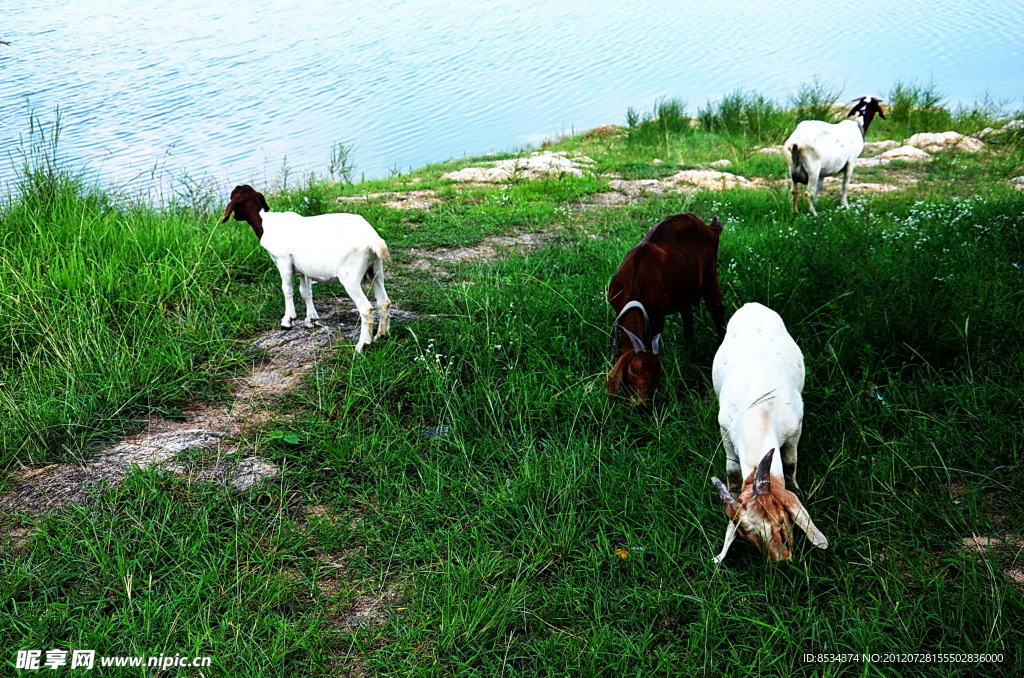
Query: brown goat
[(670, 271)]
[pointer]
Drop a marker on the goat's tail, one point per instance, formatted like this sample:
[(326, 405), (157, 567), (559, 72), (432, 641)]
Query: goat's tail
[(381, 250), (797, 170)]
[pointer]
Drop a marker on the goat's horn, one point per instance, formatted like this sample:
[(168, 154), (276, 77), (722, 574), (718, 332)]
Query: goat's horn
[(723, 492), (638, 346), (762, 477), (656, 345)]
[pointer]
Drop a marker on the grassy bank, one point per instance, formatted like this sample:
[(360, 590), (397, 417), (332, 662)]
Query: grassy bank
[(463, 500), (111, 310)]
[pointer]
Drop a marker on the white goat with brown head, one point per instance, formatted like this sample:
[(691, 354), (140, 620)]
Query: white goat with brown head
[(758, 375), (329, 248)]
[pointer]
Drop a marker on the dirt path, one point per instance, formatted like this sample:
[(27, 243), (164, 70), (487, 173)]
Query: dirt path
[(203, 445)]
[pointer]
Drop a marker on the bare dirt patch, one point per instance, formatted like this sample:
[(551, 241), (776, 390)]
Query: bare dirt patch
[(487, 250), (604, 131), (202, 444), (1003, 554), (410, 200), (861, 187), (370, 609)]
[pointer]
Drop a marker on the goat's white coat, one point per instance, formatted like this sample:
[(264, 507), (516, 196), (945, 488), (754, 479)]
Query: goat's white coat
[(826, 149), (329, 248), (758, 376)]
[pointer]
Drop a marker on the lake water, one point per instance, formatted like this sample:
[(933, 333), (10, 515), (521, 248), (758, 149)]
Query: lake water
[(226, 93)]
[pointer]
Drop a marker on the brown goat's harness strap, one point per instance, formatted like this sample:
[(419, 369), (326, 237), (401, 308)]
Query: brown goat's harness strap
[(616, 325)]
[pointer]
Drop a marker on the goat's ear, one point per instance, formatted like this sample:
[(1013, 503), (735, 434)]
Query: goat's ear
[(804, 522), (854, 110), (227, 212), (878, 107), (614, 379), (730, 537), (263, 201), (716, 224)]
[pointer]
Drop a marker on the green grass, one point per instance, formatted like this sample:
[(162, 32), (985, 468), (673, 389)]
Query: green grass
[(494, 545), (111, 310)]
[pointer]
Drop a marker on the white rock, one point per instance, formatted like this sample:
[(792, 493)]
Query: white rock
[(937, 141), (249, 473), (901, 153), (636, 188), (710, 179), (534, 166), (875, 147)]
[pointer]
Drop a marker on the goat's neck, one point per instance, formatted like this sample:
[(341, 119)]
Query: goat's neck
[(758, 434), (863, 120), (257, 225)]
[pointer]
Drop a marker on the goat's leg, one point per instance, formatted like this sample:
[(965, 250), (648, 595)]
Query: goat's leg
[(687, 314), (380, 295), (713, 302), (306, 289), (284, 266), (813, 179), (733, 471), (796, 192), (847, 175), (363, 305), (788, 450)]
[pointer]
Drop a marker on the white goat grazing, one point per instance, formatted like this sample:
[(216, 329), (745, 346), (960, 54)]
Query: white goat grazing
[(329, 248), (818, 149), (758, 375)]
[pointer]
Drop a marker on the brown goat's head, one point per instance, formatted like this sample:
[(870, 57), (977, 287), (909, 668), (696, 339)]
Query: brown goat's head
[(246, 203), (764, 514), (637, 369)]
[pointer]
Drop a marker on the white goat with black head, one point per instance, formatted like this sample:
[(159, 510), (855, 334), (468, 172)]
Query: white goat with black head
[(329, 248), (758, 375), (818, 149)]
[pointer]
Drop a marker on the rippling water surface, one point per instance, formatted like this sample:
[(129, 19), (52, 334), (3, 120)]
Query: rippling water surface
[(228, 93)]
